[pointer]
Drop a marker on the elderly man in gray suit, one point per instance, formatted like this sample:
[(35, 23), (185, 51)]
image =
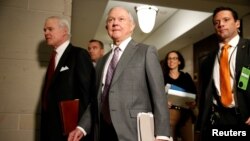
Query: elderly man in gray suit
[(136, 84)]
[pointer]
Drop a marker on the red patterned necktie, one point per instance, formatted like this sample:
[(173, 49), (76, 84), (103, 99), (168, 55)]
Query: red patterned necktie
[(50, 72), (52, 64)]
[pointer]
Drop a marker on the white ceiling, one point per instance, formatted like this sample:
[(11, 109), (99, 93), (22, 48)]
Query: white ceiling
[(179, 23)]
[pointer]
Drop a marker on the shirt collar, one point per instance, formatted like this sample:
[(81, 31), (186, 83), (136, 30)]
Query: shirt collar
[(123, 44), (233, 42), (62, 47)]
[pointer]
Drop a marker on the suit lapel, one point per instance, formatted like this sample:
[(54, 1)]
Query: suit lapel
[(240, 54), (125, 58), (210, 63)]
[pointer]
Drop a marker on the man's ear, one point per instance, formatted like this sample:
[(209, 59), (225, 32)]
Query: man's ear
[(238, 24), (106, 27)]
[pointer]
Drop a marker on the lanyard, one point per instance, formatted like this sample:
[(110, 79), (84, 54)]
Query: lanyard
[(218, 58)]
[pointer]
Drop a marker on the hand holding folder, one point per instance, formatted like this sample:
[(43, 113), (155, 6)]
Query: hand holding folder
[(69, 110)]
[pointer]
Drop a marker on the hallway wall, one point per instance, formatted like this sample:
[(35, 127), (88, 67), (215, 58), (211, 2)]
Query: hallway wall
[(23, 61)]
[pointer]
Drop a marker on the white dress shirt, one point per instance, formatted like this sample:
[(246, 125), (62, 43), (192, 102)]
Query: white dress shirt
[(59, 51), (122, 47), (232, 60)]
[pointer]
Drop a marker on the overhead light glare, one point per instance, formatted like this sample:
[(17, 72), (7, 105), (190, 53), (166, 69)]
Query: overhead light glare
[(146, 15)]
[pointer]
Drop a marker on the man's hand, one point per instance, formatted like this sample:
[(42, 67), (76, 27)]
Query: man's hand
[(248, 121), (75, 135)]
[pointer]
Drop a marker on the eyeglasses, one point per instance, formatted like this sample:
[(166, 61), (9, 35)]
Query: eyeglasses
[(173, 58)]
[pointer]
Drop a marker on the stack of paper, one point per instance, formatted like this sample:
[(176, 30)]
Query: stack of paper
[(145, 127), (179, 96)]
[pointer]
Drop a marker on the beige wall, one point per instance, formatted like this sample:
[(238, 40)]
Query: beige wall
[(187, 53), (23, 61)]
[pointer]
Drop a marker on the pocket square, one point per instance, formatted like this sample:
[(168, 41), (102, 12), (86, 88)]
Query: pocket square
[(64, 68)]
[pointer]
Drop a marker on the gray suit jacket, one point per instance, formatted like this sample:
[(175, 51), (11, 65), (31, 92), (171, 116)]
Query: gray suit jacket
[(137, 86)]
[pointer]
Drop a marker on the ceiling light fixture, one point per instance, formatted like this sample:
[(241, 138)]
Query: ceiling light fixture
[(146, 17)]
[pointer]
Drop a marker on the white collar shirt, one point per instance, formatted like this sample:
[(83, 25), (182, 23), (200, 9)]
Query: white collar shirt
[(232, 60), (60, 50), (122, 47)]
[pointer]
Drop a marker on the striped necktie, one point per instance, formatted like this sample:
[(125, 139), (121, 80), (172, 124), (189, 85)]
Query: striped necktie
[(109, 76)]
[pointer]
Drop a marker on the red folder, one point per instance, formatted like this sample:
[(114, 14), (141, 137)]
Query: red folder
[(69, 110)]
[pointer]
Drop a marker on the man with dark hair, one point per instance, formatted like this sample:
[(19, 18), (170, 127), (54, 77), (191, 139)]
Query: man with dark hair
[(224, 102), (96, 50)]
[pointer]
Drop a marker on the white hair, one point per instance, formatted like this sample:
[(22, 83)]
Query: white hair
[(63, 22)]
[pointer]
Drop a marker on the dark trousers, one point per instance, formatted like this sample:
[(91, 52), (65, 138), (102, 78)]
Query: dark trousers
[(107, 131), (227, 117)]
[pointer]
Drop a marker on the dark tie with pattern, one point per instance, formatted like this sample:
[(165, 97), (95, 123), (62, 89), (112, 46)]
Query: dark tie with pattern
[(105, 94), (50, 72)]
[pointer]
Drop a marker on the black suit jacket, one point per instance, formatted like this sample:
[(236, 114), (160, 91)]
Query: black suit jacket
[(208, 89), (74, 78)]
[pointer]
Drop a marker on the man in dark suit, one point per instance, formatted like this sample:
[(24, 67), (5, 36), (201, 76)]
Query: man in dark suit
[(137, 84), (216, 113), (73, 78)]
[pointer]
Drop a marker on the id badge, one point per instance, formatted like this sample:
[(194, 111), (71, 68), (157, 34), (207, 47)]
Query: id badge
[(244, 78)]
